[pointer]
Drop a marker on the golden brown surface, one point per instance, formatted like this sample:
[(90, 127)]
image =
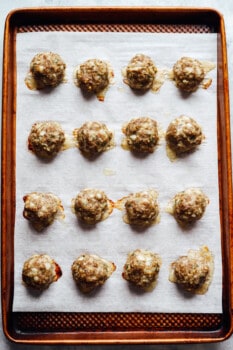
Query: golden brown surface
[(91, 271), (188, 74), (39, 271), (142, 268), (140, 72), (46, 139)]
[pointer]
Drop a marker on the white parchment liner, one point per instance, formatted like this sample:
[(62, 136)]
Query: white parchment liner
[(70, 172)]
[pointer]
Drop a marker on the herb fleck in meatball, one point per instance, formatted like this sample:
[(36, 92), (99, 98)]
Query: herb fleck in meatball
[(92, 206), (93, 75), (183, 135), (141, 134), (91, 271), (189, 205), (142, 208), (46, 139), (142, 268), (188, 74), (194, 271), (41, 209), (39, 271), (94, 138), (47, 69), (140, 72)]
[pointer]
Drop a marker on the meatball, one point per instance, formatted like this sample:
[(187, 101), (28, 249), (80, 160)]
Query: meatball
[(142, 208), (91, 271), (39, 271), (48, 69), (194, 271), (41, 209), (46, 139), (94, 138), (140, 72), (189, 206), (92, 206), (141, 134), (142, 268), (188, 74), (93, 75), (183, 135)]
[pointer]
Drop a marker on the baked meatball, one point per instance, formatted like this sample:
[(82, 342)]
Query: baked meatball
[(140, 72), (46, 139), (142, 268), (188, 74), (39, 271), (41, 209), (183, 135), (91, 271), (193, 272), (142, 208), (92, 206), (47, 69), (189, 206), (93, 75), (94, 138), (141, 134)]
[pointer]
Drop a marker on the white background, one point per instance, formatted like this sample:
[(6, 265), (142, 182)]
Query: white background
[(226, 7)]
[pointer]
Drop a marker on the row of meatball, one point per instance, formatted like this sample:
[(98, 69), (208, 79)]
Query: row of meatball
[(193, 272), (92, 206), (142, 135), (47, 69)]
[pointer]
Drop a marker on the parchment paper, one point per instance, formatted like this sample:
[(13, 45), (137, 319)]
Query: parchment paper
[(117, 172)]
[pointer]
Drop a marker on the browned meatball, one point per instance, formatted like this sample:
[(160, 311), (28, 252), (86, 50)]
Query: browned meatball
[(92, 206), (93, 75), (48, 69), (91, 271), (188, 74), (189, 205), (142, 268), (140, 72), (39, 271), (94, 138), (46, 139), (141, 134), (194, 271), (142, 208), (183, 135), (41, 208)]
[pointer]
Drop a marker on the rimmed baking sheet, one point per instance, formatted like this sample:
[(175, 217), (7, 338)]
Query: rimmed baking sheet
[(155, 235)]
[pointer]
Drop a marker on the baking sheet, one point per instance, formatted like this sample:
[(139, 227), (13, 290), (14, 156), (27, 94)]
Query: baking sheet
[(70, 172)]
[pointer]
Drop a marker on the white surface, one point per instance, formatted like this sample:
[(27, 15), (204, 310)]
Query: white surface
[(112, 238), (227, 9)]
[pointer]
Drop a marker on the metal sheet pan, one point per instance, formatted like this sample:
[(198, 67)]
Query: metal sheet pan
[(112, 328)]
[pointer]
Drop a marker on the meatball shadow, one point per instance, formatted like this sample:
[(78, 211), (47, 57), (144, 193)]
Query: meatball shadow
[(140, 155), (185, 94), (86, 227), (48, 90), (136, 290), (91, 158), (88, 96), (187, 228), (47, 160), (185, 155), (34, 293), (38, 230), (187, 295), (139, 93), (89, 295), (139, 229)]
